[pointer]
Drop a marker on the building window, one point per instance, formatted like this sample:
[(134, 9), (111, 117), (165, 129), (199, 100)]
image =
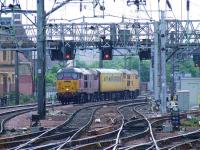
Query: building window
[(13, 78), (11, 56), (4, 55)]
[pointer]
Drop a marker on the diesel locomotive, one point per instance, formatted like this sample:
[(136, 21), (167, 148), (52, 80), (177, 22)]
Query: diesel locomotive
[(81, 85)]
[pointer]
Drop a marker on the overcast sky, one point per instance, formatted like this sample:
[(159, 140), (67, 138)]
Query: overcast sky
[(118, 8)]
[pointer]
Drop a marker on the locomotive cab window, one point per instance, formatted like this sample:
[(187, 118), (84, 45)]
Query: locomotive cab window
[(70, 75), (60, 76)]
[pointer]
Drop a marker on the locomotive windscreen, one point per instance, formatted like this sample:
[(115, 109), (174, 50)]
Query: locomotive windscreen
[(67, 76)]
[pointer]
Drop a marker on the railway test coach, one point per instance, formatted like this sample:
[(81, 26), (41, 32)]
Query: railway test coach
[(80, 85)]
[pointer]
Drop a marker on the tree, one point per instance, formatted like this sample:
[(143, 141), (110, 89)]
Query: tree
[(81, 64), (51, 75), (145, 70)]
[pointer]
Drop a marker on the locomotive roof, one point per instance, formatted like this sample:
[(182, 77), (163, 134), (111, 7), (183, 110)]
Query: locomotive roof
[(134, 71), (125, 71), (78, 70), (94, 71), (108, 71), (70, 70)]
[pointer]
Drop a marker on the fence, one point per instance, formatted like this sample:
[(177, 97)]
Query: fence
[(3, 101)]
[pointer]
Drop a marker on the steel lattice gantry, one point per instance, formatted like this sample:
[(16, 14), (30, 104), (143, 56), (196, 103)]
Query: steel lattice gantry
[(179, 34)]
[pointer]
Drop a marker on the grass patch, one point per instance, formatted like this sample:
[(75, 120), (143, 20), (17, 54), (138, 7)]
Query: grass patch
[(191, 122)]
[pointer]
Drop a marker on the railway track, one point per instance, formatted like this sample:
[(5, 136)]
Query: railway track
[(175, 142), (145, 129), (39, 138), (102, 141), (192, 144), (67, 129), (169, 142), (46, 135), (8, 115)]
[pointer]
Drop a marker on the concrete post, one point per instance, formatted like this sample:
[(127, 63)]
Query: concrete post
[(156, 68), (163, 64)]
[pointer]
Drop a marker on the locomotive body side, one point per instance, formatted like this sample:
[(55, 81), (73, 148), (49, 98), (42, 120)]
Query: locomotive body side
[(111, 85)]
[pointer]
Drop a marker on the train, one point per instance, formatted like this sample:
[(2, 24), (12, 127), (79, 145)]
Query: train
[(82, 85)]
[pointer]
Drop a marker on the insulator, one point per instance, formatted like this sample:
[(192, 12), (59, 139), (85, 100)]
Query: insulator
[(168, 4), (188, 5)]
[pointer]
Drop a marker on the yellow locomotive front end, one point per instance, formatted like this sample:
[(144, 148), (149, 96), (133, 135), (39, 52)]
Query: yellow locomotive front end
[(68, 85)]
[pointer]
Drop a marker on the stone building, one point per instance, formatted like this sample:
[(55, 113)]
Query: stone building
[(7, 58)]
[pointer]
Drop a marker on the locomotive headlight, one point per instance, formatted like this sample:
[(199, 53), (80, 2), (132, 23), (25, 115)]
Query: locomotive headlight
[(67, 89)]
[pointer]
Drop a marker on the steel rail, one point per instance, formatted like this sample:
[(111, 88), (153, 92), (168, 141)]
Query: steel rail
[(185, 143), (151, 131), (79, 131)]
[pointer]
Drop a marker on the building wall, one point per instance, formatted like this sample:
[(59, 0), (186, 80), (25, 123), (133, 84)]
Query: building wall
[(7, 74), (7, 62), (193, 86), (25, 85)]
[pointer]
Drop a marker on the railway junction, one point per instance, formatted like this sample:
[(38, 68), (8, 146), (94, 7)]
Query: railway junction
[(105, 106)]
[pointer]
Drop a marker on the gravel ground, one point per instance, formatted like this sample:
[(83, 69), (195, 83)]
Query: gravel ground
[(161, 135), (105, 120), (138, 141)]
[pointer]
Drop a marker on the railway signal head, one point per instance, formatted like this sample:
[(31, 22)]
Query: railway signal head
[(197, 64), (196, 60), (69, 51), (107, 53)]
